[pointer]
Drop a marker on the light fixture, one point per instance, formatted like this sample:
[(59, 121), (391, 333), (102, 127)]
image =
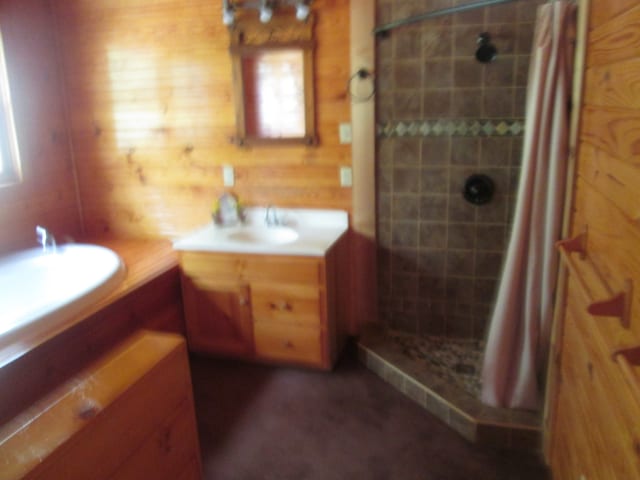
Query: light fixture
[(266, 12), (228, 13), (266, 9), (302, 10)]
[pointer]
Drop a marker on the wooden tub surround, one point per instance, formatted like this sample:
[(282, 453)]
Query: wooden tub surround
[(102, 351), (128, 415)]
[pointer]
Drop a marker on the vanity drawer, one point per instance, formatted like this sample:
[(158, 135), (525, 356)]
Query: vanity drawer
[(275, 341), (287, 270), (211, 265), (290, 304)]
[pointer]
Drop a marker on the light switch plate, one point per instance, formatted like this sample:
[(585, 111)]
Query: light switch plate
[(345, 133), (346, 177), (228, 176)]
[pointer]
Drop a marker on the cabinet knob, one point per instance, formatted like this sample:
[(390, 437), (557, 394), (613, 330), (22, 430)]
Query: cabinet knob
[(283, 306), (244, 301)]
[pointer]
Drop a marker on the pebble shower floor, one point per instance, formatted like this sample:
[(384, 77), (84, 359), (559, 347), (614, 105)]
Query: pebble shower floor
[(457, 361)]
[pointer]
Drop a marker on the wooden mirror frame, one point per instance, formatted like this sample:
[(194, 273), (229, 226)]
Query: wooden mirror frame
[(284, 32)]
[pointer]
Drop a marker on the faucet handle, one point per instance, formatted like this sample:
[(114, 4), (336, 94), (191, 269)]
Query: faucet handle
[(41, 234)]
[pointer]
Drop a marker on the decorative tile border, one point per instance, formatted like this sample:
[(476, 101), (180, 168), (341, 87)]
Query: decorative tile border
[(452, 128)]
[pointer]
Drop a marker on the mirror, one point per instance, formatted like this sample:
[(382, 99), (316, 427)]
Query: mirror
[(273, 80)]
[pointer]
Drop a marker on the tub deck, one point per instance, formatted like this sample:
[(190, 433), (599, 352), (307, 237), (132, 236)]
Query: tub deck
[(149, 297)]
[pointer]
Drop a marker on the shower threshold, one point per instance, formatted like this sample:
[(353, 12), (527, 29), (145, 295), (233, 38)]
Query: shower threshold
[(443, 377)]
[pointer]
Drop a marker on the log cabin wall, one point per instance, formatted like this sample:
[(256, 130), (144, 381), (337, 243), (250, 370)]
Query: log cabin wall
[(151, 114), (594, 432), (46, 195)]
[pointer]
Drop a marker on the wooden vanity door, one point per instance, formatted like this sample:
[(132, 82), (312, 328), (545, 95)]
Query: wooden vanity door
[(218, 317)]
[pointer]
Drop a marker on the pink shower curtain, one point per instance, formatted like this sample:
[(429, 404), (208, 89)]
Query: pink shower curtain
[(519, 331)]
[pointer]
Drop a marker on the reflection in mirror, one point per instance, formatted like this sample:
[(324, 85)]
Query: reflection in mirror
[(273, 80), (274, 94)]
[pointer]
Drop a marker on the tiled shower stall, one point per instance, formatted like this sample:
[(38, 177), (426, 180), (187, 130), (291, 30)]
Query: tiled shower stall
[(443, 116)]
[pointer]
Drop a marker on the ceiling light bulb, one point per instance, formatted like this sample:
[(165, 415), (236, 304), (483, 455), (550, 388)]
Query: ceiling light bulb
[(302, 11), (228, 16), (265, 14)]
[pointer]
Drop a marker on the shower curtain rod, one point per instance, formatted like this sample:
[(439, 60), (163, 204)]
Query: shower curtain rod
[(437, 13)]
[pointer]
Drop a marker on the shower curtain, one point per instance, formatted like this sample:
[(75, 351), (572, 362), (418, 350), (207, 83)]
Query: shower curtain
[(519, 331)]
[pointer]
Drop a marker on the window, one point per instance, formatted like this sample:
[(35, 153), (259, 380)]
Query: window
[(9, 161)]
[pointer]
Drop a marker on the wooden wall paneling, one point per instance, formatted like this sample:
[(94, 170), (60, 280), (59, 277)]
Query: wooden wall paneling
[(47, 194), (152, 115), (613, 251), (591, 385), (616, 39), (614, 85), (615, 131), (604, 11)]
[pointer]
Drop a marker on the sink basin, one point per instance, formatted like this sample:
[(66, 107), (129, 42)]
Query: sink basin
[(268, 235)]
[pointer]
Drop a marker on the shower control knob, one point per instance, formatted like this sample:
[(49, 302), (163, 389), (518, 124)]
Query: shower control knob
[(478, 189)]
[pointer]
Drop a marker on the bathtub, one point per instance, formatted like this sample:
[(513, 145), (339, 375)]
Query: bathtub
[(44, 288)]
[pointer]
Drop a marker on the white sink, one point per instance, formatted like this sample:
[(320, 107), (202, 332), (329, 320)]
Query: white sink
[(271, 235), (308, 232)]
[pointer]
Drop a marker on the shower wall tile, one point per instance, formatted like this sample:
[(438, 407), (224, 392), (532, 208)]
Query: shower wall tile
[(506, 13), (465, 39), (437, 102), (405, 207), (406, 151), (384, 206), (464, 151), (503, 36), (432, 264), (442, 116), (385, 179), (498, 102), (437, 42), (434, 180), (407, 74), (524, 39), (522, 70), (519, 108), (467, 72), (409, 44), (500, 72), (436, 151), (438, 73), (467, 103), (408, 105), (406, 179), (433, 235), (404, 234), (460, 262), (433, 207), (495, 151), (461, 235)]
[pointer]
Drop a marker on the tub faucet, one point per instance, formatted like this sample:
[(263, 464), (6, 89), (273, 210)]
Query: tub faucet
[(271, 216), (45, 238)]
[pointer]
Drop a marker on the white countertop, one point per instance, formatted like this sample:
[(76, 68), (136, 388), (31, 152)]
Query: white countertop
[(317, 231)]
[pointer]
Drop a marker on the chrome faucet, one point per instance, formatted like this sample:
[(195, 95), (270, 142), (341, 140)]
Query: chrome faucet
[(271, 216), (45, 238)]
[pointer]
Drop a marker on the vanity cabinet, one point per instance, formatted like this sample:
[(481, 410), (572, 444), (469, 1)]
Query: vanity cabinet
[(271, 308)]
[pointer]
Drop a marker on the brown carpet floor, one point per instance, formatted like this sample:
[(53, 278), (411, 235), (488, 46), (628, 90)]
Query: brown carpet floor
[(261, 422)]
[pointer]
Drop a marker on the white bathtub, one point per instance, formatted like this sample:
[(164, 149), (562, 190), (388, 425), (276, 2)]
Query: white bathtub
[(40, 286)]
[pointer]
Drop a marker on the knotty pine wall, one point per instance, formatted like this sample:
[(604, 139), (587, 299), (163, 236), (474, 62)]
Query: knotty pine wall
[(46, 194), (608, 184), (606, 200), (151, 114)]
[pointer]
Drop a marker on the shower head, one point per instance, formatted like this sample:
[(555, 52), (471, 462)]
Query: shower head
[(486, 51)]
